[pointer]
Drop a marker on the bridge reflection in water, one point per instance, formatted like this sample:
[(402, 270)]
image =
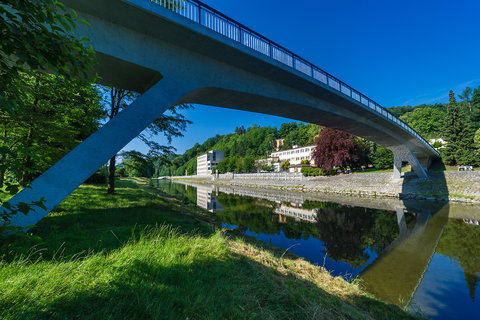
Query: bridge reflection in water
[(388, 243)]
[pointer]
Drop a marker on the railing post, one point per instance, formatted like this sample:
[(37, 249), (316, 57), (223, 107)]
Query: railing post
[(199, 14), (239, 34)]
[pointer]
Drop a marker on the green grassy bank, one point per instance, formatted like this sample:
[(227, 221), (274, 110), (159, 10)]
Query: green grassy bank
[(138, 256)]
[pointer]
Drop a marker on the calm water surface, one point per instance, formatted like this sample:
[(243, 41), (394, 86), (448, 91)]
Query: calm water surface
[(422, 256)]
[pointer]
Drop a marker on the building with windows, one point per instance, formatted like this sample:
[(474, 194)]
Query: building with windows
[(206, 162), (295, 156)]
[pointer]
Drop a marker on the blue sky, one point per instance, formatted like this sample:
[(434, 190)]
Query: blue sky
[(396, 52)]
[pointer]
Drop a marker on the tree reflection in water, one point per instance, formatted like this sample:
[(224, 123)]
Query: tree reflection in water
[(461, 243), (349, 233)]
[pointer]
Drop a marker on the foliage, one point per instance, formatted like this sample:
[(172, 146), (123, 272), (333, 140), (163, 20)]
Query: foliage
[(475, 110), (457, 134), (399, 111), (428, 122), (99, 177), (334, 149), (137, 164), (56, 115), (477, 138), (461, 242), (36, 35), (300, 134), (437, 144), (382, 158), (315, 172), (285, 165)]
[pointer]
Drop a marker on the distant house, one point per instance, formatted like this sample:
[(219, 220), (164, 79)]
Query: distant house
[(206, 162), (294, 156), (278, 144)]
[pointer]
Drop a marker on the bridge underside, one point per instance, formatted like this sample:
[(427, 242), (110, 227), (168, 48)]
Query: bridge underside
[(172, 60)]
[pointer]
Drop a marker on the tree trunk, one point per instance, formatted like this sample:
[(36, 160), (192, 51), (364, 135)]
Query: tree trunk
[(28, 162), (111, 176)]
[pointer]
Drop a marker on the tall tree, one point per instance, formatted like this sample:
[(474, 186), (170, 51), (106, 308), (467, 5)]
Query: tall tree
[(116, 103), (36, 35), (466, 96), (475, 114), (334, 148), (56, 114), (172, 124), (457, 134)]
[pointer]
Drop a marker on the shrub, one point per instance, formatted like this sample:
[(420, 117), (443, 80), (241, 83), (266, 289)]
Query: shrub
[(315, 172), (100, 176)]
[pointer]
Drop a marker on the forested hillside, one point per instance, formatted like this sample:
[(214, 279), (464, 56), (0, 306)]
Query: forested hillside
[(241, 147)]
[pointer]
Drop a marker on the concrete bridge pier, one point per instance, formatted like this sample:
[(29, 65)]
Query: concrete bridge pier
[(66, 175), (402, 153), (402, 223)]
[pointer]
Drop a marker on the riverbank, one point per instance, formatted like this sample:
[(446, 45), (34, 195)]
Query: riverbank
[(463, 186), (136, 255)]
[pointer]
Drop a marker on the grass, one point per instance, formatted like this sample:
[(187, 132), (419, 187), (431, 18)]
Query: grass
[(138, 256)]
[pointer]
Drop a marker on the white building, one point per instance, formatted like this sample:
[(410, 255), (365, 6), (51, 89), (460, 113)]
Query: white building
[(206, 162), (295, 155)]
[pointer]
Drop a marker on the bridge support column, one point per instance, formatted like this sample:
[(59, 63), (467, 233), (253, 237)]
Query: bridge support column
[(73, 169), (404, 154), (402, 223)]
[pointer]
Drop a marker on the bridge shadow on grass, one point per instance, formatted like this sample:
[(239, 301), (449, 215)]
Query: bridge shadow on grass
[(219, 285), (90, 221)]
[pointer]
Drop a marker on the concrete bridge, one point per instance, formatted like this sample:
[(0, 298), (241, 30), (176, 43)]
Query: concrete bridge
[(175, 51)]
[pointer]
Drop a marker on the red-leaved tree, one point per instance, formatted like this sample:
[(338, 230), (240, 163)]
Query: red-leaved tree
[(334, 149)]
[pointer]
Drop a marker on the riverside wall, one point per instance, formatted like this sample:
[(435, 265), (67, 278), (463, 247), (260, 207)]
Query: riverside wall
[(444, 186)]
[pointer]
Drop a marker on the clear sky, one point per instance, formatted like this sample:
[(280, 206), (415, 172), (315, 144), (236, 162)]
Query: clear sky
[(403, 52)]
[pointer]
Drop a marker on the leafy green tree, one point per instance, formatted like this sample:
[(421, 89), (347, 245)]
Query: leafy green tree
[(137, 164), (382, 158), (475, 113), (285, 165), (36, 35), (248, 164), (222, 166), (55, 116), (172, 124), (428, 122), (457, 134), (477, 138), (466, 97)]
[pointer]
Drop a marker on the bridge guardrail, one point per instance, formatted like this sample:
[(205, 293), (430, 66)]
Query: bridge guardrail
[(210, 18)]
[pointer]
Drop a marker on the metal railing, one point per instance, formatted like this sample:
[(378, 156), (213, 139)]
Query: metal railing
[(212, 19)]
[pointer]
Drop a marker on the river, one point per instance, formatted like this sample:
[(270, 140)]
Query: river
[(422, 256)]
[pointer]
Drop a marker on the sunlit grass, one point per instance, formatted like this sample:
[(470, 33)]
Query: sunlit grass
[(138, 256)]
